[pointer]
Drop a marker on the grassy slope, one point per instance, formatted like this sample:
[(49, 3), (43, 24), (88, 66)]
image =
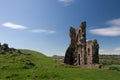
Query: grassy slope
[(34, 66)]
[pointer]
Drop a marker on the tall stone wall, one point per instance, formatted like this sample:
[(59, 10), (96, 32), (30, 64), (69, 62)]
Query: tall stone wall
[(69, 56), (79, 51), (92, 49)]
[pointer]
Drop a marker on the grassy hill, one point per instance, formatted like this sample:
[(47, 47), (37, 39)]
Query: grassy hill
[(31, 65)]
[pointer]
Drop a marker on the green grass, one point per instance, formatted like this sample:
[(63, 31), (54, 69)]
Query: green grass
[(32, 65)]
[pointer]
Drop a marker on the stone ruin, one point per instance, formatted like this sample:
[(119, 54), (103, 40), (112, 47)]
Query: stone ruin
[(80, 51), (5, 49)]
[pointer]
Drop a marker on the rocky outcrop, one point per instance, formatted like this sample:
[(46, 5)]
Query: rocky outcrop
[(5, 49), (79, 51)]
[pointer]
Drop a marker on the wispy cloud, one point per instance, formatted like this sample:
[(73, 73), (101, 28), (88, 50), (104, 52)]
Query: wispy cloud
[(114, 22), (117, 49), (42, 31), (66, 2), (112, 52), (21, 27), (13, 26), (112, 30), (109, 53), (101, 50)]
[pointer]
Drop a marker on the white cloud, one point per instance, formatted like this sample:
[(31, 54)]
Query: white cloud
[(112, 30), (42, 31), (114, 22), (13, 26), (66, 2), (117, 49), (21, 27), (109, 53), (101, 50)]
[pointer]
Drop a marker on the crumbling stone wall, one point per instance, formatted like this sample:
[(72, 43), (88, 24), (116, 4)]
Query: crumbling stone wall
[(69, 56), (92, 49), (79, 51)]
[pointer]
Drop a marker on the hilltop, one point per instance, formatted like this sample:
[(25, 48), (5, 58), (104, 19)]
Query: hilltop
[(32, 65)]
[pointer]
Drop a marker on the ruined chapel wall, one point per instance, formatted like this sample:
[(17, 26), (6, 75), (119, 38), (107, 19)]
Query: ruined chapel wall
[(79, 51), (92, 49)]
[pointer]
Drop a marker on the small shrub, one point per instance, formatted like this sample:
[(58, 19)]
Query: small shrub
[(31, 64), (3, 67), (7, 77), (28, 75), (114, 67), (11, 76), (28, 65)]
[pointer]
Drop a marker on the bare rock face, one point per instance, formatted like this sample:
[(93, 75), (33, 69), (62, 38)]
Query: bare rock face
[(5, 46), (5, 49), (79, 51)]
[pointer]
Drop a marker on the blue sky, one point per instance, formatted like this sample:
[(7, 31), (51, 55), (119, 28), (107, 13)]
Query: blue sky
[(43, 25)]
